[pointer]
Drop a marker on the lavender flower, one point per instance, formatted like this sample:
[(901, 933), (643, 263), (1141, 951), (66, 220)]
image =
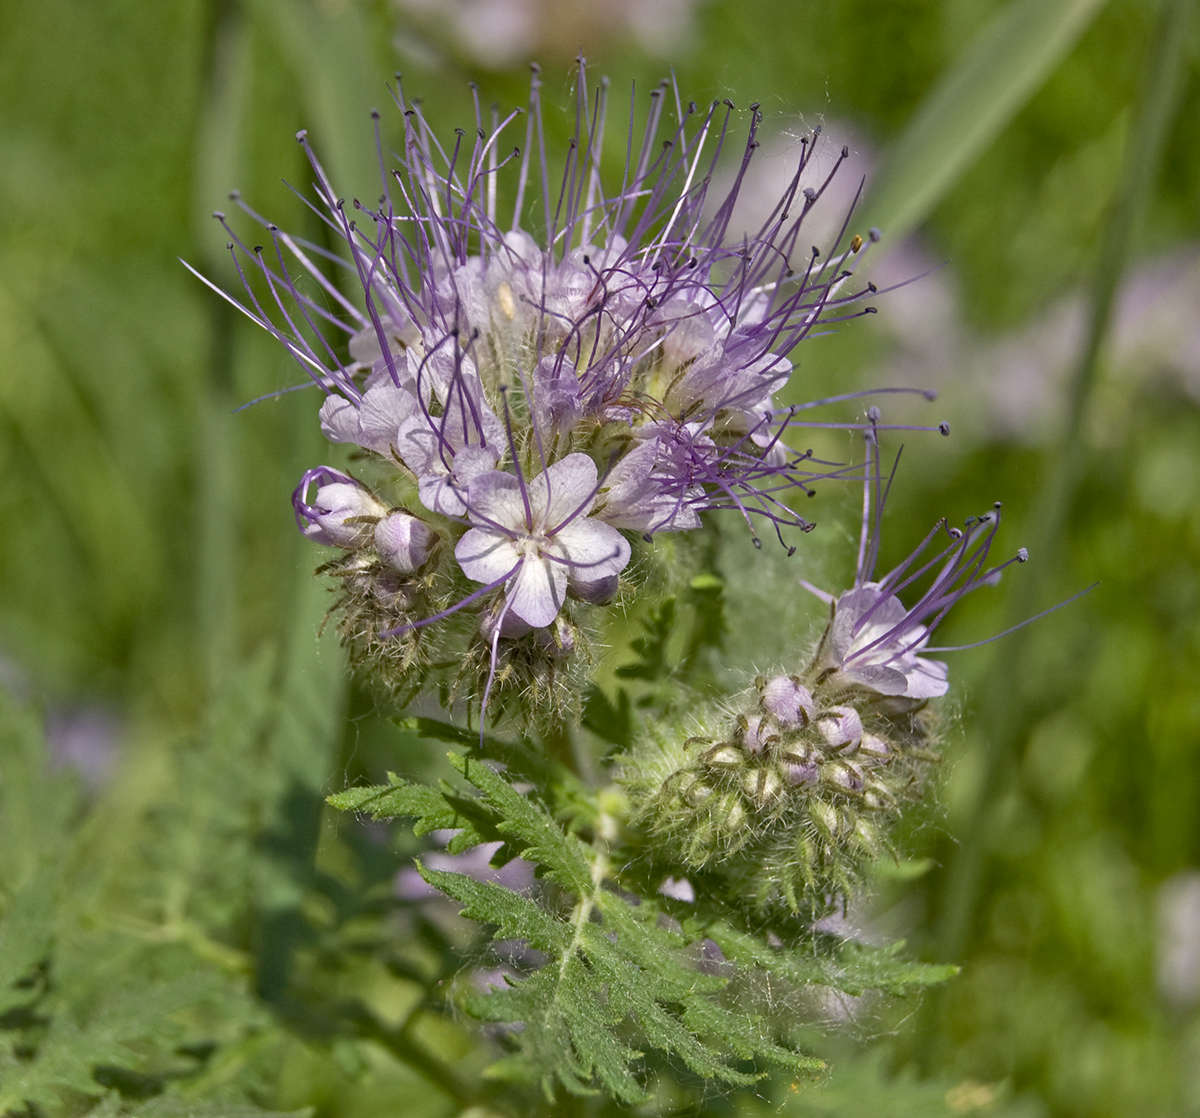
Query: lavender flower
[(873, 641), (533, 398), (538, 539)]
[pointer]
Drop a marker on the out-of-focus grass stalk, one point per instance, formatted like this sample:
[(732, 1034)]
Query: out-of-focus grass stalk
[(998, 712), (1003, 67), (329, 49), (217, 167)]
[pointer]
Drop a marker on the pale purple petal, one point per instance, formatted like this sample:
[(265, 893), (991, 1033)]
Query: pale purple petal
[(494, 498), (486, 556), (441, 494), (339, 420), (927, 679), (571, 485), (382, 412), (593, 550), (536, 594)]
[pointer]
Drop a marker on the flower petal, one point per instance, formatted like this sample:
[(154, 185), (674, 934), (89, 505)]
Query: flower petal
[(567, 489), (383, 410), (486, 556), (339, 420), (494, 501), (536, 594), (592, 549)]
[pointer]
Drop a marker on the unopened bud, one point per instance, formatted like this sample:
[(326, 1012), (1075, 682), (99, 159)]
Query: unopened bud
[(800, 772), (764, 786), (843, 775), (749, 733), (342, 512), (723, 756), (827, 817), (557, 639), (875, 746), (729, 813), (787, 700), (403, 541), (509, 624), (597, 591), (696, 792), (840, 726)]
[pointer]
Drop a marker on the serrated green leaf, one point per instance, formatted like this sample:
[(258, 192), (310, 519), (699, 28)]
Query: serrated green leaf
[(562, 856), (863, 966), (847, 966), (431, 808), (615, 972), (515, 916), (67, 1058)]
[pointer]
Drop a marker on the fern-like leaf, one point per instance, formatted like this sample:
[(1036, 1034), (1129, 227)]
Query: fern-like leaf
[(618, 978)]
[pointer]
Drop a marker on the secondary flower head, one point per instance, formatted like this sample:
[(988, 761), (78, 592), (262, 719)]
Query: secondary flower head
[(873, 641), (533, 390)]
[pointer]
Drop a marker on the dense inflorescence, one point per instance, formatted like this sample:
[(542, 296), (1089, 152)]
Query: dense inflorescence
[(528, 410)]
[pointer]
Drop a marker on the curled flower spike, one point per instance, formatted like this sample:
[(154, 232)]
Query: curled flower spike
[(542, 388), (873, 640), (342, 514)]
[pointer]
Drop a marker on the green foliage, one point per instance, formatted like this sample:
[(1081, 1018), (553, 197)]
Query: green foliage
[(619, 977), (145, 552), (82, 1009)]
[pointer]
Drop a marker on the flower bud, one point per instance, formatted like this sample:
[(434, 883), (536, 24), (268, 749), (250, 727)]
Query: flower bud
[(729, 813), (788, 701), (867, 837), (840, 726), (764, 786), (749, 733), (509, 623), (827, 817), (597, 591), (341, 512), (877, 748), (558, 639), (403, 541), (797, 772), (845, 776), (723, 756)]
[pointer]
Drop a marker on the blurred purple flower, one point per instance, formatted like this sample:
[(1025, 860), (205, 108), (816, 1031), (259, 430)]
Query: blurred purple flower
[(516, 875)]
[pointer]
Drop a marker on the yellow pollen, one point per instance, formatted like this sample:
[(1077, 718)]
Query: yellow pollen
[(509, 305)]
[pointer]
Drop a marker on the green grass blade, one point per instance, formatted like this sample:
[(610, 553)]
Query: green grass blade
[(1006, 64)]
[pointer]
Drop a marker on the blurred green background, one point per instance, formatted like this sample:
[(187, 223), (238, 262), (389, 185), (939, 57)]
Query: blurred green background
[(1040, 156)]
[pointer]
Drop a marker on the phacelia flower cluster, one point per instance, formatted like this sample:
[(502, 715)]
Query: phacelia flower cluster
[(796, 792), (527, 405)]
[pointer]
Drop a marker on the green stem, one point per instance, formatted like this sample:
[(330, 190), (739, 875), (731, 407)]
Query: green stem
[(1157, 98), (562, 743), (431, 1068)]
